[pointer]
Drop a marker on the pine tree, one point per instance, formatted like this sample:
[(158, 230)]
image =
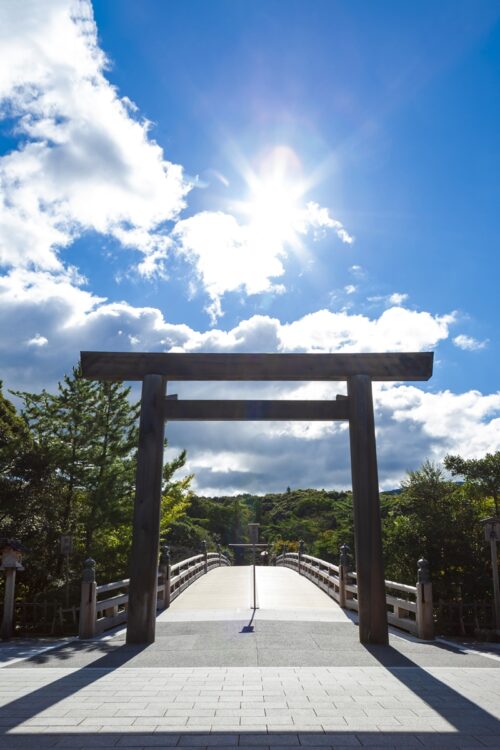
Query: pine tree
[(482, 475), (29, 497), (85, 437), (87, 432), (15, 442)]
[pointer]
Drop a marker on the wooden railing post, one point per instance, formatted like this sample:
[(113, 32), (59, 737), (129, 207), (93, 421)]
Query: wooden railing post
[(301, 552), (165, 569), (425, 619), (205, 556), (344, 568), (88, 601)]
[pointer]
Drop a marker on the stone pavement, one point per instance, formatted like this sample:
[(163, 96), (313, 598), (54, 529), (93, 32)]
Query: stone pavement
[(291, 683), (327, 707)]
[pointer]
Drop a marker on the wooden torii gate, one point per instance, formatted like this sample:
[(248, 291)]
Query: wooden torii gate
[(359, 370)]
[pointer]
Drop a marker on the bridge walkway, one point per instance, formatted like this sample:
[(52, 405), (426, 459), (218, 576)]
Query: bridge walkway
[(227, 594)]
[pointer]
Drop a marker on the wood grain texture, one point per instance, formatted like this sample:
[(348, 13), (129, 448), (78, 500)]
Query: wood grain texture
[(307, 411), (367, 523), (146, 531), (329, 367)]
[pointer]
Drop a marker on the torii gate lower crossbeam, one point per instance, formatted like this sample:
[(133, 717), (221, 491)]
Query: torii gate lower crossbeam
[(359, 370)]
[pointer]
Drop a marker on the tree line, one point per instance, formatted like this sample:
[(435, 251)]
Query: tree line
[(67, 467)]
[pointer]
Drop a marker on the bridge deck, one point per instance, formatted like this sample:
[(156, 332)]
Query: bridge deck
[(227, 594)]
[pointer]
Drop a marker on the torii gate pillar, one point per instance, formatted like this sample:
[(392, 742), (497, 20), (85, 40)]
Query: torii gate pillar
[(146, 532), (367, 525)]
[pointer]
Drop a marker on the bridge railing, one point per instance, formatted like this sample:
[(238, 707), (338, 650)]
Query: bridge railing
[(105, 606), (408, 607), (324, 574)]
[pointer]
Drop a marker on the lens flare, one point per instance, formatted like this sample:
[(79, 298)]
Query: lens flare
[(274, 207)]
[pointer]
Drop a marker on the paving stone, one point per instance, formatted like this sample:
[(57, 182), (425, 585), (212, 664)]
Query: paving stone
[(273, 739), (148, 740), (209, 740)]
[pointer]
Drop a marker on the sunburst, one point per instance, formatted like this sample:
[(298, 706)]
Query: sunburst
[(274, 206)]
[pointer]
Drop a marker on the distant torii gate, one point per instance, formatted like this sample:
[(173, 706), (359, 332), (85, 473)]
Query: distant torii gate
[(156, 369)]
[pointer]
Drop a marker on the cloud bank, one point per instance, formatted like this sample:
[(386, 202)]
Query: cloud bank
[(56, 320)]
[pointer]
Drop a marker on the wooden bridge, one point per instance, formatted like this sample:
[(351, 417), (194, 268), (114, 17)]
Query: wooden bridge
[(297, 587)]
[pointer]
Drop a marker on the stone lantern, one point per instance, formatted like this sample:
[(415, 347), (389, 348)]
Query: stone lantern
[(10, 556), (492, 535)]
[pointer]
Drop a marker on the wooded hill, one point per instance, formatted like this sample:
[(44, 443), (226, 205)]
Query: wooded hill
[(429, 516)]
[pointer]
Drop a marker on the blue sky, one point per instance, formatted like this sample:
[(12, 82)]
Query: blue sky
[(265, 176)]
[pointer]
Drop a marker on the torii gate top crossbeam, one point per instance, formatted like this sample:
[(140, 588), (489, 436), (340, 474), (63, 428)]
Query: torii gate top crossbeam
[(329, 367)]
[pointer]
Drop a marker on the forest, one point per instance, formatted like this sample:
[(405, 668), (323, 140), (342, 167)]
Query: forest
[(67, 467)]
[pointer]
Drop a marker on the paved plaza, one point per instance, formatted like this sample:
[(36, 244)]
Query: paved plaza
[(294, 675)]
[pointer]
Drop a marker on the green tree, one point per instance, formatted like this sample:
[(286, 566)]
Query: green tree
[(29, 498), (88, 432), (481, 474), (15, 442), (433, 518), (76, 474), (61, 426), (176, 494)]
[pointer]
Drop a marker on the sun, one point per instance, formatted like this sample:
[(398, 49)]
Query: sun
[(274, 206)]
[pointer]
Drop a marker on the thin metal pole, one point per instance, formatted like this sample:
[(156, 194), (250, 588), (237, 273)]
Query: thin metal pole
[(254, 581)]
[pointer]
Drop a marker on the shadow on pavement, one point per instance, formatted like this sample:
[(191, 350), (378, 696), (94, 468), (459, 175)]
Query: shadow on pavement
[(462, 713), (338, 740), (470, 725)]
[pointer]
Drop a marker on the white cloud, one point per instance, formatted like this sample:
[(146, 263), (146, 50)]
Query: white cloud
[(318, 218), (350, 289), (230, 256), (226, 256), (412, 424), (84, 161), (468, 343), (397, 329), (37, 340), (434, 424), (397, 298), (21, 289)]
